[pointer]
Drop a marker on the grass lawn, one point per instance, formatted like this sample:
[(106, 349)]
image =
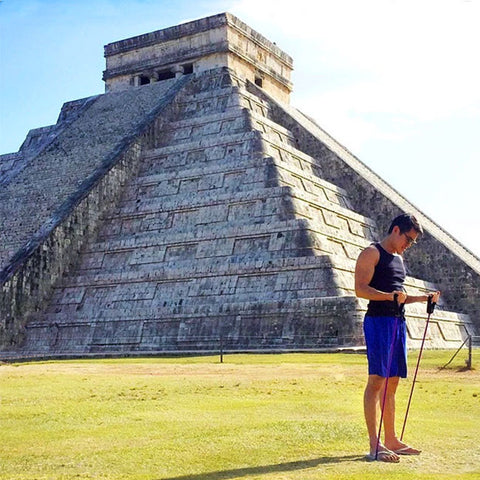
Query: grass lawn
[(281, 417)]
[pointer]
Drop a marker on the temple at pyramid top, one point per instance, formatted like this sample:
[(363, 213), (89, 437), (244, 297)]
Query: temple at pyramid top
[(218, 41)]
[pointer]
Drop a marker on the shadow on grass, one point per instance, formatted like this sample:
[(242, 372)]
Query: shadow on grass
[(264, 469)]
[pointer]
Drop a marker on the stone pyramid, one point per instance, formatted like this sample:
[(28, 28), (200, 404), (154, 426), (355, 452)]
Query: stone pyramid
[(191, 207)]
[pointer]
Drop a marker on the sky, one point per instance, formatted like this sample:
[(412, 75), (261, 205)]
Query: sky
[(397, 82)]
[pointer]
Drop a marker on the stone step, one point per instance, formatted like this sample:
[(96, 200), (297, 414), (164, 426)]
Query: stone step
[(254, 104), (115, 303), (302, 180), (337, 230), (152, 229), (232, 114), (252, 173), (221, 99), (218, 165), (262, 241), (229, 91), (154, 261), (205, 143), (233, 120), (257, 204), (323, 215), (213, 81), (318, 209), (221, 175), (292, 164), (244, 325), (201, 152), (208, 102), (347, 236), (122, 297), (301, 165), (211, 309), (228, 120), (273, 132), (415, 318), (175, 270), (227, 230)]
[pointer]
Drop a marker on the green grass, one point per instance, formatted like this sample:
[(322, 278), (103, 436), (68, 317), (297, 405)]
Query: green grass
[(292, 416)]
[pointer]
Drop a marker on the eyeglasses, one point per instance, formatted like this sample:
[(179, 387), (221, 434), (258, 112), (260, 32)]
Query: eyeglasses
[(410, 240)]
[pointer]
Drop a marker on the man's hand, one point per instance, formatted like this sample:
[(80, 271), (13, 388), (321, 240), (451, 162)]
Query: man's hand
[(435, 296), (402, 296)]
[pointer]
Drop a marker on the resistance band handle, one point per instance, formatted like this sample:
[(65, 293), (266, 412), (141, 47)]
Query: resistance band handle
[(430, 305), (398, 306)]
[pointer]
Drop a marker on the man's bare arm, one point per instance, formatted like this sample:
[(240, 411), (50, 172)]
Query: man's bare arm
[(423, 298)]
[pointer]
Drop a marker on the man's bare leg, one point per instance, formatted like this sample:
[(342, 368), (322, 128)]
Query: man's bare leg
[(391, 440), (371, 401)]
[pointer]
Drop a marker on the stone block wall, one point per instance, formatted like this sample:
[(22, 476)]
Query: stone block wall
[(32, 273)]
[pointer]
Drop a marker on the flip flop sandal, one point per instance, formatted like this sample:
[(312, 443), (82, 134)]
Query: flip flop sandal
[(407, 451), (382, 457)]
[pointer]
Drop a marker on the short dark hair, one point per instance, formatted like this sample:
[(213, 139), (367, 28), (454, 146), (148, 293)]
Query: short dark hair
[(405, 223)]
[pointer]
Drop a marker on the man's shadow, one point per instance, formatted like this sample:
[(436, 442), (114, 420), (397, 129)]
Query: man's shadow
[(264, 469)]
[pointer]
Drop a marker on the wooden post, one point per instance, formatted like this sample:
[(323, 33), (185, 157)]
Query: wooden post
[(469, 360)]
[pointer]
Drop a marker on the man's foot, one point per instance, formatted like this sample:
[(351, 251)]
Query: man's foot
[(406, 450), (383, 455), (401, 448)]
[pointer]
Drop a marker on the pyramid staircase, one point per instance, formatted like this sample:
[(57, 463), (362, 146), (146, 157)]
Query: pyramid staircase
[(227, 234)]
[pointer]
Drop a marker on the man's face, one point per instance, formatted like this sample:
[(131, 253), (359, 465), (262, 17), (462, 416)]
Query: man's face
[(406, 240)]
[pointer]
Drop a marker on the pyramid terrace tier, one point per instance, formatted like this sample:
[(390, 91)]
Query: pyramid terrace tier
[(256, 325), (155, 232)]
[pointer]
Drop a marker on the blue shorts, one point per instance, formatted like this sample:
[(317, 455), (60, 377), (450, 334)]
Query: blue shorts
[(378, 339)]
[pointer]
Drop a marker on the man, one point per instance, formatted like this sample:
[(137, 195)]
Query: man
[(379, 277)]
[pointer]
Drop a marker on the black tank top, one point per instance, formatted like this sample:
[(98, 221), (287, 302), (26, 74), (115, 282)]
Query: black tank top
[(388, 276)]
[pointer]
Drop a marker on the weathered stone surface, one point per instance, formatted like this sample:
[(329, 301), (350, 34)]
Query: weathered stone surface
[(212, 212), (209, 43), (41, 241)]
